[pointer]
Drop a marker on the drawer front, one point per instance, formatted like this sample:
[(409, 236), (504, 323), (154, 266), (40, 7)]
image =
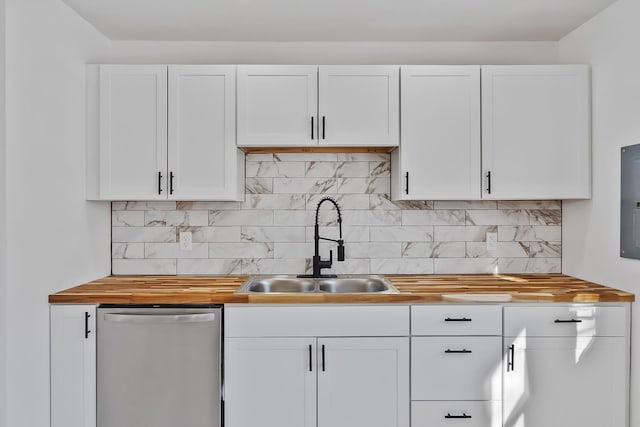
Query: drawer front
[(456, 368), (456, 320), (456, 414), (565, 321), (262, 320)]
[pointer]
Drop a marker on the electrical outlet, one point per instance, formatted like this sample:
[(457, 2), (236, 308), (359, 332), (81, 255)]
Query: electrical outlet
[(492, 241), (186, 241)]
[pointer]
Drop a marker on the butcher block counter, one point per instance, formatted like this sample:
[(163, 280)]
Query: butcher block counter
[(412, 289)]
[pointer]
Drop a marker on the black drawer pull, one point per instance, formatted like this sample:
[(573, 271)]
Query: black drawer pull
[(310, 359), (463, 351), (511, 358), (460, 319), (464, 415), (86, 325), (567, 321)]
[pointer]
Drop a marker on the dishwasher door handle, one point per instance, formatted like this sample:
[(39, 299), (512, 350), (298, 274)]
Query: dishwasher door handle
[(160, 318)]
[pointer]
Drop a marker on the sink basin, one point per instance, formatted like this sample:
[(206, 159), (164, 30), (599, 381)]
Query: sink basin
[(352, 284), (355, 285), (279, 285)]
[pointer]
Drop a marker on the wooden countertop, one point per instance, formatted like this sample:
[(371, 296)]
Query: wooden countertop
[(413, 288)]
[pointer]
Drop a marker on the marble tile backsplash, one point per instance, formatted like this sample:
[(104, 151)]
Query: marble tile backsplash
[(271, 232)]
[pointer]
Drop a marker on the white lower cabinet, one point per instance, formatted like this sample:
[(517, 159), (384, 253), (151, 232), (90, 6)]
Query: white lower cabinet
[(73, 365), (324, 381), (566, 369)]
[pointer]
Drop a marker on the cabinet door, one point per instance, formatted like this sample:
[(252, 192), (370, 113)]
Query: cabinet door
[(359, 105), (270, 382), (363, 382), (204, 163), (565, 382), (277, 105), (536, 132), (73, 365), (440, 126), (133, 132)]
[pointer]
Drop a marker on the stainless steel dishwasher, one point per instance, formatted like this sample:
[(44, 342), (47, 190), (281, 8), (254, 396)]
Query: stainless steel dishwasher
[(159, 366)]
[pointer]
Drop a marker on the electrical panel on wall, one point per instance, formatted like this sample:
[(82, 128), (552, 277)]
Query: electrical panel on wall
[(630, 202)]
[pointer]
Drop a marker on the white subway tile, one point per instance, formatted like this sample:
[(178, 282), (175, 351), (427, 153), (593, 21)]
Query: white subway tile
[(127, 250), (337, 169), (402, 266), (144, 206), (433, 250), (504, 249), (364, 185), (272, 169), (364, 157), (176, 218), (545, 217), (535, 233), (529, 265), (304, 185), (259, 157), (472, 204), (497, 217), (240, 250), (273, 266), (209, 266), (358, 233), (243, 217), (143, 234), (127, 218), (143, 266), (274, 201), (433, 217), (373, 250), (345, 201), (212, 234), (273, 234), (379, 169), (291, 218), (530, 204), (172, 250), (465, 265), (381, 217), (258, 185), (468, 233), (349, 266), (401, 234), (214, 206)]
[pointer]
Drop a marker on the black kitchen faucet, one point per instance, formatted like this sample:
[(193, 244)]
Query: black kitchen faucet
[(318, 262)]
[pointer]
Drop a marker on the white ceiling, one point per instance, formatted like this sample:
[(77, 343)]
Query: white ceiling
[(338, 20)]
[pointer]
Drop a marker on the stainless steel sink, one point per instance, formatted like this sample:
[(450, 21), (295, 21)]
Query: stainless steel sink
[(351, 284)]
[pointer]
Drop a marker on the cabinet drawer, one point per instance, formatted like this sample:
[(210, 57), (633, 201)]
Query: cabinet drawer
[(260, 320), (443, 414), (456, 320), (565, 321), (456, 368)]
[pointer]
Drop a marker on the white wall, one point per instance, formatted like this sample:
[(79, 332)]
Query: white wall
[(335, 52), (3, 222), (56, 239), (609, 42)]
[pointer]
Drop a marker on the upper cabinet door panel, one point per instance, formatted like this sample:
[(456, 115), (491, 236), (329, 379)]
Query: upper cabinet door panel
[(202, 149), (277, 105), (133, 131), (536, 132), (359, 105), (441, 132)]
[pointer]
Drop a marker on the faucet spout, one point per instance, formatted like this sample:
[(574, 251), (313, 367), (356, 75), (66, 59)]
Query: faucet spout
[(318, 262)]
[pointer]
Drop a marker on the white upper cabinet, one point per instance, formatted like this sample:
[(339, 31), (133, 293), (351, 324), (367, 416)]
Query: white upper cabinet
[(290, 105), (439, 157), (277, 105), (158, 132), (536, 132), (359, 105), (203, 160), (133, 131)]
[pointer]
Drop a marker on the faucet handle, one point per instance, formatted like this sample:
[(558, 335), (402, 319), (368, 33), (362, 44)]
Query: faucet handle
[(340, 250), (330, 256)]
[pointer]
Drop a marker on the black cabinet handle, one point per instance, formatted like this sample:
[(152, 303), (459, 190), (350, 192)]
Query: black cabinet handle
[(323, 120), (171, 176), (464, 415), (511, 358), (463, 351), (457, 319), (159, 182), (406, 179), (322, 357), (86, 325), (488, 182), (312, 126), (310, 359), (567, 321)]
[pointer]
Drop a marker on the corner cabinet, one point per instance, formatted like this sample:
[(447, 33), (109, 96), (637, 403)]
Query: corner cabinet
[(73, 365), (163, 133), (566, 366), (290, 105), (288, 366)]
